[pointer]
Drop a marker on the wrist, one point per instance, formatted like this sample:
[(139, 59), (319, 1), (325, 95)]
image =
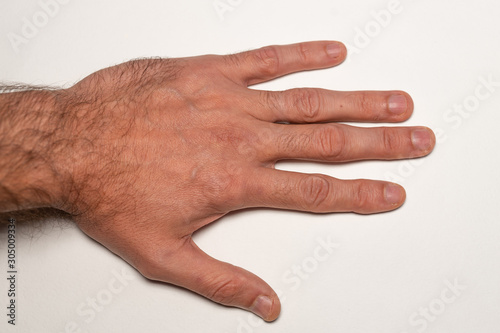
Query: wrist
[(30, 172)]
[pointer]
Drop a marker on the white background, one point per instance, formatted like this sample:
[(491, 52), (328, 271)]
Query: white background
[(389, 268)]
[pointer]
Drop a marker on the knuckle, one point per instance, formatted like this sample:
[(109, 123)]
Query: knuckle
[(226, 290), (217, 184), (362, 197), (307, 103), (331, 142), (314, 190), (156, 262), (267, 60), (304, 53), (366, 106), (221, 190), (148, 273), (150, 266), (391, 140)]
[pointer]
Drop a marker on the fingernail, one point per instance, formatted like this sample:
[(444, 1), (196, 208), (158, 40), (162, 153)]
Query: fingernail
[(398, 104), (421, 139), (394, 194), (333, 50), (262, 306)]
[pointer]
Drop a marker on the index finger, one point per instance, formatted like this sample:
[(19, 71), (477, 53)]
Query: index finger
[(267, 63)]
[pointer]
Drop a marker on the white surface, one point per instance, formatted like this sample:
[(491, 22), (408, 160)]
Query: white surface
[(387, 267)]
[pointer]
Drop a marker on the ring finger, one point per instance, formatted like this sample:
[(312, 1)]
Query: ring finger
[(342, 143)]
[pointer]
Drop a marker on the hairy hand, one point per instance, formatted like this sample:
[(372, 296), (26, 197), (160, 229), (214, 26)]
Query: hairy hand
[(159, 148)]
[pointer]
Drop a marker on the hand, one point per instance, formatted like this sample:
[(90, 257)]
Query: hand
[(158, 148)]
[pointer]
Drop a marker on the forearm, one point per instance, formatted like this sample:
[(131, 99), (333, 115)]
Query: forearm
[(29, 176)]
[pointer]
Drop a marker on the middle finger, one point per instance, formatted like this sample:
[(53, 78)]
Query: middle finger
[(310, 105)]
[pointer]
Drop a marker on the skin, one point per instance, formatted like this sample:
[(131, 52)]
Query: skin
[(145, 153)]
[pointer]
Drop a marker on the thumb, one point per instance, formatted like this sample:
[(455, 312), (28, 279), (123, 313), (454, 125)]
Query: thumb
[(193, 269)]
